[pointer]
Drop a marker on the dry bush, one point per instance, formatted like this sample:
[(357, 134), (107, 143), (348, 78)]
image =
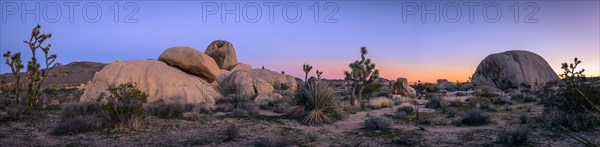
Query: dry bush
[(378, 123), (513, 135), (406, 108), (475, 117), (166, 110), (380, 102), (231, 132), (81, 117), (434, 102)]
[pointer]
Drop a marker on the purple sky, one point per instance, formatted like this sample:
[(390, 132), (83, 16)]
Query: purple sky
[(399, 42)]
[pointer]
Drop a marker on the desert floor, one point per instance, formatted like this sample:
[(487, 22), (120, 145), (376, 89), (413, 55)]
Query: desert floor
[(271, 129)]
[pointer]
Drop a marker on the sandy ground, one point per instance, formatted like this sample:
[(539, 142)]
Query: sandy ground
[(272, 128)]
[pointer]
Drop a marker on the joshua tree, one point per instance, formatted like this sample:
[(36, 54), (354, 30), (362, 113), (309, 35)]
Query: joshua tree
[(35, 75), (14, 62), (570, 74), (362, 72), (307, 69), (319, 74)]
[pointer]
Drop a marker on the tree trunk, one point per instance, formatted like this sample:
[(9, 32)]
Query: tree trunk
[(353, 94)]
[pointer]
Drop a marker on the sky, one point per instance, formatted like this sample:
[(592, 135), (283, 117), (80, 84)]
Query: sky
[(419, 40)]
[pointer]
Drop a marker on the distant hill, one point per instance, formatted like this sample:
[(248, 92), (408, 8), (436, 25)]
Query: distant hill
[(77, 73)]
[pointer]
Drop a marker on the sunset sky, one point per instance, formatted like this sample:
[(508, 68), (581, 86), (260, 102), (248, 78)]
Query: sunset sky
[(399, 42)]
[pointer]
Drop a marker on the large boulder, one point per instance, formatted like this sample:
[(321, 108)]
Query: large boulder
[(511, 69), (241, 66), (259, 81), (400, 86), (157, 79), (191, 61), (223, 53)]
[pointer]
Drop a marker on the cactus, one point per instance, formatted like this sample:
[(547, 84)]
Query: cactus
[(362, 72), (570, 74), (307, 69)]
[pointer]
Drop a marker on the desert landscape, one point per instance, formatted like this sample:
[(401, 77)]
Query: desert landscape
[(193, 97)]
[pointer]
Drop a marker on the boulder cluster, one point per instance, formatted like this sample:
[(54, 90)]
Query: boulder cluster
[(187, 75)]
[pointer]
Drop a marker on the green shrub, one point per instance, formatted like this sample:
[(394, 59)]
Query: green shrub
[(125, 106), (314, 104), (378, 123), (513, 135), (475, 117)]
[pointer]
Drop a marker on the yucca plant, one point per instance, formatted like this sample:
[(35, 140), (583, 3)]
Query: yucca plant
[(314, 104)]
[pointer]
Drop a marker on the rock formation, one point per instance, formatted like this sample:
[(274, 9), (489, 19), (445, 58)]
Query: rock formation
[(192, 61), (157, 79), (400, 86), (511, 69), (223, 53)]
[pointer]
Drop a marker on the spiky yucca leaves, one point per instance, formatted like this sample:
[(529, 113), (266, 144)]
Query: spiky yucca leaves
[(315, 104)]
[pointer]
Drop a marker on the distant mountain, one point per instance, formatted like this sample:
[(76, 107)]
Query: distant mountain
[(76, 74)]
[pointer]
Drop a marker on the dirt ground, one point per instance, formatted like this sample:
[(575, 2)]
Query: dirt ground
[(271, 129)]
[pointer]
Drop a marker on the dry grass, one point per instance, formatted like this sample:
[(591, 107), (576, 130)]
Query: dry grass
[(380, 102)]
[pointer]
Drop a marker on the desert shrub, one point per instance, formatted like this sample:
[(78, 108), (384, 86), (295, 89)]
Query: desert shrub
[(524, 97), (380, 102), (378, 123), (189, 107), (434, 102), (502, 101), (311, 136), (239, 113), (406, 108), (314, 104), (81, 117), (554, 117), (577, 105), (245, 109), (167, 110), (481, 102), (523, 118), (231, 132), (125, 106), (475, 117), (371, 89), (277, 105), (513, 135), (451, 112), (456, 103)]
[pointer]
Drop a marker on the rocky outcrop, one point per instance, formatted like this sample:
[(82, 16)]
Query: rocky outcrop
[(223, 53), (511, 69), (191, 61), (157, 79), (259, 81), (241, 66), (400, 86)]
